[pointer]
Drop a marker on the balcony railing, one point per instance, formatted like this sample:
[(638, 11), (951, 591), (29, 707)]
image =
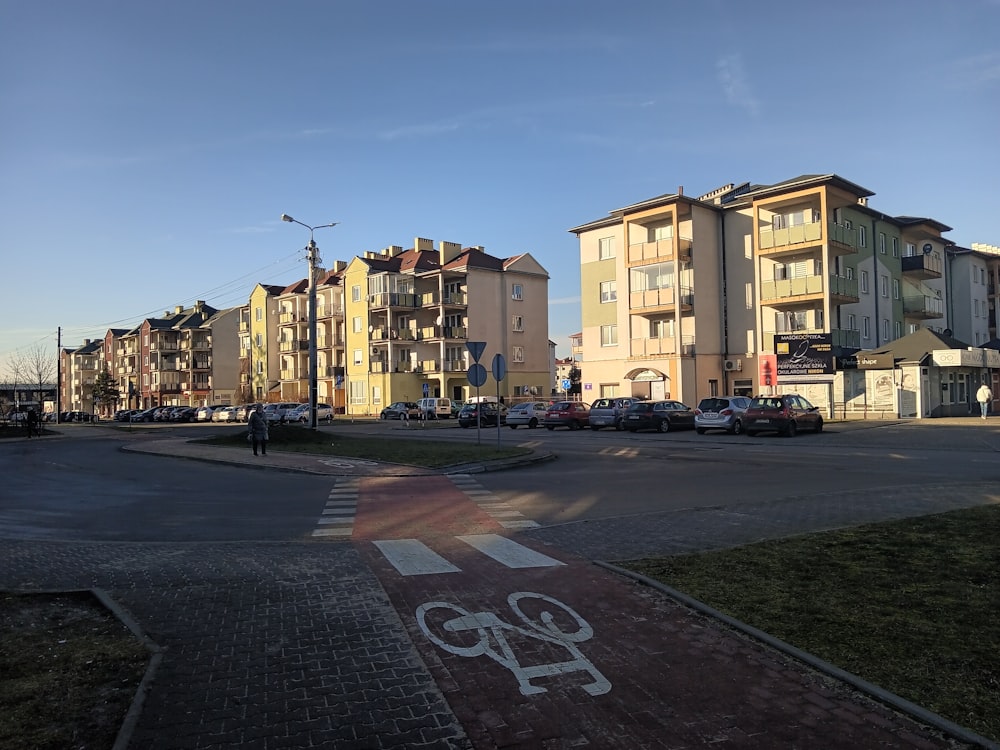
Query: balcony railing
[(774, 292), (923, 306), (392, 299), (661, 347), (922, 266), (788, 239), (294, 345), (659, 250)]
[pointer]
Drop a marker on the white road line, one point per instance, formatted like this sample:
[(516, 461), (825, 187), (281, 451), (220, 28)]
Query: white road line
[(341, 521), (508, 552), (411, 557), (505, 514), (332, 532), (341, 503), (526, 524)]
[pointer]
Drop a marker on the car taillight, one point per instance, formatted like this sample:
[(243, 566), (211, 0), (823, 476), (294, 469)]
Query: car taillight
[(726, 412), (698, 411)]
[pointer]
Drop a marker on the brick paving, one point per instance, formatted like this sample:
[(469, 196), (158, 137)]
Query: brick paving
[(318, 644)]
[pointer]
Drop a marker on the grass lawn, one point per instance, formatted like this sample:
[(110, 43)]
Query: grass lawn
[(912, 606), (402, 450)]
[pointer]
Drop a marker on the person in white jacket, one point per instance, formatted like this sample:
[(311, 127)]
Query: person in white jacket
[(984, 395)]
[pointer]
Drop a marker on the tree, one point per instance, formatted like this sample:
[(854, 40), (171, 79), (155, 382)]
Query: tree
[(105, 391)]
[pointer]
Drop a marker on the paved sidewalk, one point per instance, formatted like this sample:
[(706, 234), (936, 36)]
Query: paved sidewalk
[(301, 644)]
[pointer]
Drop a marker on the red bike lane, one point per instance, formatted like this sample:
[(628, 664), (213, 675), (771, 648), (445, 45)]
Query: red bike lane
[(534, 647)]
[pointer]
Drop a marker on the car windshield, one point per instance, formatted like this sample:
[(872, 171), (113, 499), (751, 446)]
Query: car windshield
[(562, 406)]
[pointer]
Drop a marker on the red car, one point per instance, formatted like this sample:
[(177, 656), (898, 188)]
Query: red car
[(574, 415), (786, 415)]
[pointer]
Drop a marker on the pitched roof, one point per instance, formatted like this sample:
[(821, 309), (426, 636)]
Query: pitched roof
[(917, 345)]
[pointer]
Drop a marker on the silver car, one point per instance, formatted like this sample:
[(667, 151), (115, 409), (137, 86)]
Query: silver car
[(721, 413), (609, 412)]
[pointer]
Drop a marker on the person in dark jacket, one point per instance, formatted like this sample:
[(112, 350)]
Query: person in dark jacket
[(31, 422), (257, 430)]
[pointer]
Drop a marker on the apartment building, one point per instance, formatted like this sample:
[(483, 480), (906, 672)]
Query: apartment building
[(410, 313), (258, 344), (78, 371), (974, 274), (692, 297)]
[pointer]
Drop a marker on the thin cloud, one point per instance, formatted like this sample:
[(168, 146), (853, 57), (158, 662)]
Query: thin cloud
[(733, 78), (421, 131), (978, 70)]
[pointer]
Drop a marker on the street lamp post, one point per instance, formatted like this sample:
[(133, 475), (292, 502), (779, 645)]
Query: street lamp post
[(312, 255)]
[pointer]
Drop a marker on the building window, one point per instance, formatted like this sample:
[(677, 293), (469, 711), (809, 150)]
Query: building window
[(355, 294), (881, 242), (895, 247), (258, 313), (895, 288), (609, 291), (518, 354), (661, 329), (863, 282), (862, 236), (852, 322), (849, 271), (884, 285), (661, 232), (357, 357), (517, 324), (911, 249), (899, 329), (356, 323), (606, 248), (258, 340), (866, 327), (357, 390), (516, 291), (885, 329), (609, 335)]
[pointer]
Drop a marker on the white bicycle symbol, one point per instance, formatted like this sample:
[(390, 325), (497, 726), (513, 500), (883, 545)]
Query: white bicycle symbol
[(493, 643)]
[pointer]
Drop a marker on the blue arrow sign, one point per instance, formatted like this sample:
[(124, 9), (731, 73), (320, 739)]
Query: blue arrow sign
[(499, 367), (477, 375), (476, 349)]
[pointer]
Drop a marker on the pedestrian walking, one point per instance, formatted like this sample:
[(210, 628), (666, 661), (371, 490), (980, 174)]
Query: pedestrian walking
[(984, 395), (31, 422), (257, 430)]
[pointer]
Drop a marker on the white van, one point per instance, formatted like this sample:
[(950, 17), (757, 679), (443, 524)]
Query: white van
[(435, 408)]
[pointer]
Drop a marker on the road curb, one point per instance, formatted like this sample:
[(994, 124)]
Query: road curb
[(902, 705)]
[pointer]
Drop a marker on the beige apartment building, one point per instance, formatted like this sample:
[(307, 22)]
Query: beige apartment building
[(693, 297), (410, 314)]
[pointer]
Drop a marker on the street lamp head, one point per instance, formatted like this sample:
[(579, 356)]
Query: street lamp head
[(286, 217)]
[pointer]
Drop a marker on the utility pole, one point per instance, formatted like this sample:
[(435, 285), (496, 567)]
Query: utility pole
[(58, 373), (313, 257)]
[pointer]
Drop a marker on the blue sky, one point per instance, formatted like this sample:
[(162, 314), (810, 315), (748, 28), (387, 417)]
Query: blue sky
[(148, 150)]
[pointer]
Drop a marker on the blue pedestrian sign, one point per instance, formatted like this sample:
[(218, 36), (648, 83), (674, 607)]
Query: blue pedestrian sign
[(427, 389), (566, 384)]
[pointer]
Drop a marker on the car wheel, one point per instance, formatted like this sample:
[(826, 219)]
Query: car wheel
[(737, 427), (750, 433), (512, 426), (819, 425), (791, 429), (532, 424), (700, 430), (630, 429), (618, 425), (549, 427), (595, 427), (663, 426), (574, 425)]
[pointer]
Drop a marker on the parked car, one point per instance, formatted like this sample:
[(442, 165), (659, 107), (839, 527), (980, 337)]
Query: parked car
[(435, 408), (662, 416), (243, 412), (785, 414), (574, 415), (278, 411), (456, 407), (609, 412), (183, 414), (204, 413), (122, 415), (165, 413), (146, 415), (397, 409), (486, 413), (721, 413), (301, 413), (528, 414), (224, 414)]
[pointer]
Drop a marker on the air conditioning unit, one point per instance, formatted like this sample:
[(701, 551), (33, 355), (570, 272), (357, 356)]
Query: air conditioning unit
[(733, 365)]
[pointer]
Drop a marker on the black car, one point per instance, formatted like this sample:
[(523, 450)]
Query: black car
[(399, 409), (662, 416), (488, 414)]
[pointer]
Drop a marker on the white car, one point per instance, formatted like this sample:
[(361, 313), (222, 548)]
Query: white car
[(279, 411), (301, 413), (528, 414)]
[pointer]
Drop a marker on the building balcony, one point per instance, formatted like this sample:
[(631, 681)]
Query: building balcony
[(430, 333), (201, 344), (291, 317), (331, 371), (163, 346), (294, 345), (923, 307), (803, 237), (288, 375), (449, 299), (922, 266), (807, 289), (165, 387), (661, 347), (657, 251), (661, 300), (244, 326), (392, 299), (328, 311), (455, 365)]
